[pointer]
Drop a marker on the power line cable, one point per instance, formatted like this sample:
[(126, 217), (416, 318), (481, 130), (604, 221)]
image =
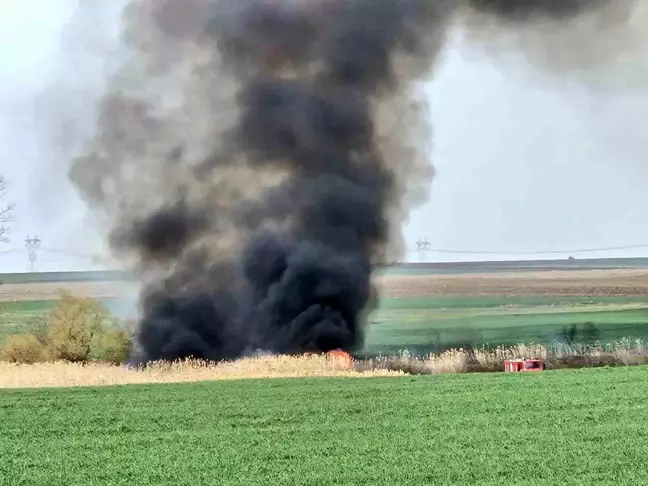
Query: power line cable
[(536, 252)]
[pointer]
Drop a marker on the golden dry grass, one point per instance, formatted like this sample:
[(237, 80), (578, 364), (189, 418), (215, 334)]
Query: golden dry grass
[(493, 358), (62, 374), (457, 360), (622, 353)]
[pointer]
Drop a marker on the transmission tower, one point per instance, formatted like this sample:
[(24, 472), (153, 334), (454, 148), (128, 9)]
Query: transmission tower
[(422, 247), (32, 245)]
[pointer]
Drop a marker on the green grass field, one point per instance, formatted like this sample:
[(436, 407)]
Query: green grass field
[(437, 323), (78, 276), (564, 427)]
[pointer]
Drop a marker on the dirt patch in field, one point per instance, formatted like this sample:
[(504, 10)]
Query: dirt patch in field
[(50, 290), (567, 283)]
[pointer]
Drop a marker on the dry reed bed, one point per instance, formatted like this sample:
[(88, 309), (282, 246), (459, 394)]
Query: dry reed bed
[(61, 374), (625, 352)]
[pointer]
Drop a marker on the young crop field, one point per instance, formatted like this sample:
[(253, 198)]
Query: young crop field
[(437, 323), (563, 427)]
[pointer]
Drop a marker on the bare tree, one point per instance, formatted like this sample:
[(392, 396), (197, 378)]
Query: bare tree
[(5, 211)]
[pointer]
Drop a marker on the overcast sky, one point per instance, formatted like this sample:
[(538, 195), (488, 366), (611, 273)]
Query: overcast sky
[(525, 162)]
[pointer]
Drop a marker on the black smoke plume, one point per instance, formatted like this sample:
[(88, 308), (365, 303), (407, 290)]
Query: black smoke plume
[(532, 9), (258, 158)]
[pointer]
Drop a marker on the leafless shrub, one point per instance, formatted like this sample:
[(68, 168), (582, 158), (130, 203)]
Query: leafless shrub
[(5, 211), (23, 348)]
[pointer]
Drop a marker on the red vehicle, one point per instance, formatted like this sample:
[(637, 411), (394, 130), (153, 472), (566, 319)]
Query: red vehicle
[(522, 365)]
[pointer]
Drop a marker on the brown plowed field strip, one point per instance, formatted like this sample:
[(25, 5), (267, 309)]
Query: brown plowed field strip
[(568, 283), (49, 290), (576, 283)]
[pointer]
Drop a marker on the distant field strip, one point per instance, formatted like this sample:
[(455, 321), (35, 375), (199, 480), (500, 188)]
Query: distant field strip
[(545, 283), (436, 323), (63, 277), (566, 427), (506, 301), (434, 312), (625, 282), (398, 269)]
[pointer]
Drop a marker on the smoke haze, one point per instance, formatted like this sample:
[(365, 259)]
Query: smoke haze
[(255, 159)]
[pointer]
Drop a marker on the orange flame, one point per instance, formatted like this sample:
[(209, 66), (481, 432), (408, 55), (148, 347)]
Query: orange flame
[(342, 357), (338, 355)]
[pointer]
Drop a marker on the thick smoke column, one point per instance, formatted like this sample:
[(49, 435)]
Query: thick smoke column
[(259, 196), (566, 37), (255, 156)]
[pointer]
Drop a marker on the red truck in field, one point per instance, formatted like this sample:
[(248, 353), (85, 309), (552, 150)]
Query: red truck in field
[(522, 365)]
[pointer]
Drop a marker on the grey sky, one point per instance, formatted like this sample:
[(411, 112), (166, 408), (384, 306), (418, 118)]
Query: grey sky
[(524, 162)]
